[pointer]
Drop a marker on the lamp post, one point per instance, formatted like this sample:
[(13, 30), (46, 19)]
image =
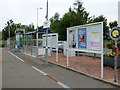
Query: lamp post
[(9, 32), (46, 50), (9, 36), (37, 30)]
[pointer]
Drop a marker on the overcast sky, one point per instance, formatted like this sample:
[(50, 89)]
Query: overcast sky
[(25, 11)]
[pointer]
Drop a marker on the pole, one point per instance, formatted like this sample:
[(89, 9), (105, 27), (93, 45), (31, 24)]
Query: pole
[(24, 42), (9, 35), (37, 33), (46, 50), (115, 64), (102, 52), (119, 14), (102, 65), (67, 58)]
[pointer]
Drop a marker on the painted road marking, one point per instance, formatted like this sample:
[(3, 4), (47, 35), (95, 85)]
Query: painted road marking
[(16, 56), (63, 85), (58, 82), (45, 74), (40, 71), (52, 78)]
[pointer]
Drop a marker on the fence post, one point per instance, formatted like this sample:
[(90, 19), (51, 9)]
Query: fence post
[(67, 58), (102, 52)]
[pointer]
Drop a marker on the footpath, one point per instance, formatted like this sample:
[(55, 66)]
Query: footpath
[(18, 74), (67, 77)]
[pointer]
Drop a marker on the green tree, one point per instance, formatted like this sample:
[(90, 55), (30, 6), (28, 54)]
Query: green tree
[(75, 16), (9, 26), (55, 23), (28, 28)]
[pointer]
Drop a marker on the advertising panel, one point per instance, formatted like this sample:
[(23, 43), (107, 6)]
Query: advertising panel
[(82, 42), (94, 37), (19, 34), (72, 39), (86, 38)]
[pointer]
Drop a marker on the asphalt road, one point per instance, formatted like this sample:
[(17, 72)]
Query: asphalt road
[(17, 74)]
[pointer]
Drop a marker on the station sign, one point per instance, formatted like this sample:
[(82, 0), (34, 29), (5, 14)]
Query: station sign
[(115, 33), (46, 24)]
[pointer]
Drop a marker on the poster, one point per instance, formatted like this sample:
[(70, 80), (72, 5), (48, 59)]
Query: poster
[(82, 40), (17, 39), (72, 39), (94, 38), (19, 34)]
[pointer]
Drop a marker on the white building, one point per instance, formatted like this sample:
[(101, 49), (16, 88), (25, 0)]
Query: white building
[(119, 13)]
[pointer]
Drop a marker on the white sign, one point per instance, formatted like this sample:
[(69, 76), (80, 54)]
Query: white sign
[(52, 41), (46, 24)]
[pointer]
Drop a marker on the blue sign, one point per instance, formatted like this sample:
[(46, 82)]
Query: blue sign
[(115, 33), (82, 42), (17, 39)]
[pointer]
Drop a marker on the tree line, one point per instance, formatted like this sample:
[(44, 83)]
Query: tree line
[(76, 15)]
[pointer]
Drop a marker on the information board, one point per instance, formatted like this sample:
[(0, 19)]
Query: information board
[(52, 41), (94, 37), (19, 33), (87, 38)]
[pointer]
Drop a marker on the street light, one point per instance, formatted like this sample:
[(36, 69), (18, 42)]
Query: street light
[(37, 30), (10, 24), (46, 50)]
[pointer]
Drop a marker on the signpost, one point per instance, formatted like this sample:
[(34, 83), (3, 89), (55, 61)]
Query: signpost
[(46, 26), (115, 35), (86, 38)]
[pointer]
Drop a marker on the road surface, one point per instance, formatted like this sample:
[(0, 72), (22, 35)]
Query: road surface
[(22, 71)]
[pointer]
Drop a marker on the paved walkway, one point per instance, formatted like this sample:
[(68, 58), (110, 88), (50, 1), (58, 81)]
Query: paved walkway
[(16, 74), (68, 77), (84, 64), (0, 68)]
